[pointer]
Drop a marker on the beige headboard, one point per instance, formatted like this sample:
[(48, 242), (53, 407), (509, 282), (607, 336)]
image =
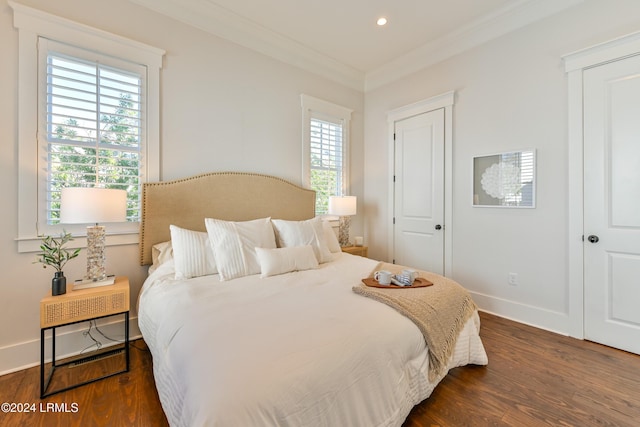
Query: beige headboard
[(232, 196)]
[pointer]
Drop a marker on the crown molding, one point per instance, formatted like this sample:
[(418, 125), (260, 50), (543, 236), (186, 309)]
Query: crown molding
[(221, 22), (213, 19), (502, 21)]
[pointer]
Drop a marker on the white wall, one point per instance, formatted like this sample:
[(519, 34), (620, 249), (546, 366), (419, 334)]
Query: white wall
[(227, 108), (511, 94), (224, 108)]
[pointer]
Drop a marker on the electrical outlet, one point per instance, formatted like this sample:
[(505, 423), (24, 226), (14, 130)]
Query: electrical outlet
[(513, 279)]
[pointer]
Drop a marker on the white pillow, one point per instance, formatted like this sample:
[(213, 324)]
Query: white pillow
[(161, 253), (192, 253), (235, 243), (284, 260), (302, 233), (331, 238)]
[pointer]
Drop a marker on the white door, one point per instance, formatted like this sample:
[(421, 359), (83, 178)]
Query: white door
[(612, 204), (418, 235)]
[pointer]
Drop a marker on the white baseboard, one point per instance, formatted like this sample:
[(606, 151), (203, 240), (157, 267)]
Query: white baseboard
[(553, 321), (70, 341)]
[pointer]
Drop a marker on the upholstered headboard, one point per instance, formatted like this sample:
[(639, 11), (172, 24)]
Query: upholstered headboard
[(232, 196)]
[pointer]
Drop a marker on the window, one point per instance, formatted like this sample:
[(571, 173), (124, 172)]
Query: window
[(91, 101), (91, 125), (326, 161), (325, 150)]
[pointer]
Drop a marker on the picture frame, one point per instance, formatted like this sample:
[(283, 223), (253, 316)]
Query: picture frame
[(505, 180)]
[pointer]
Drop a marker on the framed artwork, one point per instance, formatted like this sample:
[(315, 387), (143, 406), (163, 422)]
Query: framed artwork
[(506, 180)]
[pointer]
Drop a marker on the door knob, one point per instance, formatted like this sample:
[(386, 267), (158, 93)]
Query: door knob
[(438, 227), (593, 238)]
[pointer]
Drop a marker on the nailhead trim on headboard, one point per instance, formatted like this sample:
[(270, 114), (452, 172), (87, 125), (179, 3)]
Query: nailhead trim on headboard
[(235, 196)]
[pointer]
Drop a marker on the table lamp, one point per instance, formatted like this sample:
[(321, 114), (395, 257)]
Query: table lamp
[(84, 205), (344, 207)]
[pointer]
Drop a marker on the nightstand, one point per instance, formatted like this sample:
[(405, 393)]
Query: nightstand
[(80, 306), (356, 250)]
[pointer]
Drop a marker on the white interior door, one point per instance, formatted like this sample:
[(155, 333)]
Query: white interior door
[(612, 204), (418, 235)]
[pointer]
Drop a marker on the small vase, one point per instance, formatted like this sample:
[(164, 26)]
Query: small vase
[(58, 284)]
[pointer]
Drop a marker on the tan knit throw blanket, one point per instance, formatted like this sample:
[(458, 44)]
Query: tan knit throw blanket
[(440, 312)]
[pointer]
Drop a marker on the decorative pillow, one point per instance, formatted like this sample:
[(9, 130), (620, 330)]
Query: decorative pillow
[(235, 243), (161, 253), (302, 233), (192, 253), (284, 260), (331, 238)]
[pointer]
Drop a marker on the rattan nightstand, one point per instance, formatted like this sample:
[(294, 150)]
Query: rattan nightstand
[(356, 250), (79, 306)]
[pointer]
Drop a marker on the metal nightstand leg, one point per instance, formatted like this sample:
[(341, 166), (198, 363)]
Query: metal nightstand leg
[(126, 339), (44, 384), (41, 363)]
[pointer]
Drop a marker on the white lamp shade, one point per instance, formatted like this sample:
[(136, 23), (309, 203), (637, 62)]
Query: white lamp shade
[(80, 205), (342, 205)]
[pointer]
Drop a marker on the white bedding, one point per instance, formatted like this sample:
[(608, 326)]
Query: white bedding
[(298, 349)]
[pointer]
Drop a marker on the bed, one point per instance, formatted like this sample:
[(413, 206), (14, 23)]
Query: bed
[(251, 328)]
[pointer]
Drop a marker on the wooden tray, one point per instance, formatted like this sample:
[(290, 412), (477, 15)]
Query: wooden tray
[(420, 282)]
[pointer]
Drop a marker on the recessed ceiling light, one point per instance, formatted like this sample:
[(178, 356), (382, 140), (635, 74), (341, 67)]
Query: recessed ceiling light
[(382, 21)]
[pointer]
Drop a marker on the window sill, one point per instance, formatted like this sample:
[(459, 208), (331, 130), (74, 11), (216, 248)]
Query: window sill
[(32, 244)]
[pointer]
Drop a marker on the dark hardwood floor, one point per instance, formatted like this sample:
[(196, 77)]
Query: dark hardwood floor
[(534, 378)]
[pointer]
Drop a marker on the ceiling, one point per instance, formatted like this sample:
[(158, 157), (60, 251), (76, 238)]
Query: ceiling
[(340, 38), (346, 30)]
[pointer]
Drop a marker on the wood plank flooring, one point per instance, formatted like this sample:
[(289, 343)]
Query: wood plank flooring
[(534, 378)]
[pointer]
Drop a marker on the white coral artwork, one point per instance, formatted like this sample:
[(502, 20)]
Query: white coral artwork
[(501, 180)]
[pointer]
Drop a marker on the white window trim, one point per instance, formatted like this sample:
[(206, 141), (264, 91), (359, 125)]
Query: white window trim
[(322, 108), (31, 24)]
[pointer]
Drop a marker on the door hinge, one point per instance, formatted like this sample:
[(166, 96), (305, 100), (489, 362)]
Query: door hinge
[(394, 178), (394, 136), (393, 261), (394, 220)]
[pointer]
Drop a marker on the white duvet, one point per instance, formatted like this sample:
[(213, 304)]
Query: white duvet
[(299, 349)]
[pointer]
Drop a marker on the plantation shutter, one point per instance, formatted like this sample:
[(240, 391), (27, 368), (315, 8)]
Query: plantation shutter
[(93, 129), (327, 161)]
